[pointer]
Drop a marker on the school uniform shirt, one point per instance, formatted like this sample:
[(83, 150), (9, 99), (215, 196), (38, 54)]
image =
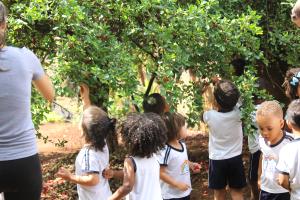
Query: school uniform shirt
[(289, 164), (225, 133), (177, 167), (253, 140), (91, 161), (270, 154), (146, 184)]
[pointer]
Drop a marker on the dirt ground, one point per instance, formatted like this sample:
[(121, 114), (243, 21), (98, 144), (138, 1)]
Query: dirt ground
[(52, 157)]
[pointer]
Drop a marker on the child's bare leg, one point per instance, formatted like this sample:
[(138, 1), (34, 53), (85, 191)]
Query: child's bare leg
[(220, 194), (236, 194), (254, 190)]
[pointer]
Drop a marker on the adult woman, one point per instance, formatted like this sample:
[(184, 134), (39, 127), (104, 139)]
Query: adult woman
[(20, 169)]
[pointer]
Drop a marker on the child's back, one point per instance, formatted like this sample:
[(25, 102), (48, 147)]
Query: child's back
[(226, 135), (146, 179), (90, 160)]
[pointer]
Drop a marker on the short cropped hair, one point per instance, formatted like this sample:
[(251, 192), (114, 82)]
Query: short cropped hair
[(293, 113), (226, 94), (174, 122), (270, 108), (143, 134)]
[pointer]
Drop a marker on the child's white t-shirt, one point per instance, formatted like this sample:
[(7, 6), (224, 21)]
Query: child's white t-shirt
[(177, 166), (253, 140), (146, 184), (270, 154), (289, 163), (225, 133), (91, 161)]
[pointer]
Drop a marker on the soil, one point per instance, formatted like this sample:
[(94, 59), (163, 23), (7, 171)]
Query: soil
[(53, 157)]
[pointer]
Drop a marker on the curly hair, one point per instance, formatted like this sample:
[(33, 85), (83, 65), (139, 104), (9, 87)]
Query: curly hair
[(174, 122), (293, 113), (154, 103), (290, 90), (143, 134), (96, 126), (270, 108), (226, 95)]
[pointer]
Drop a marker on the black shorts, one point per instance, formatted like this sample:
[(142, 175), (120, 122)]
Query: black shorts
[(226, 172), (272, 196), (253, 166), (21, 179), (182, 198)]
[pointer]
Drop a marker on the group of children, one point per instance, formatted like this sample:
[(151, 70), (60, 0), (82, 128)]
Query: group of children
[(157, 165)]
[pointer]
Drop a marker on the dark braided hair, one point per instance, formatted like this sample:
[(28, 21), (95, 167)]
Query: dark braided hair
[(174, 122), (290, 91), (226, 95), (154, 103), (293, 113), (96, 126), (143, 134)]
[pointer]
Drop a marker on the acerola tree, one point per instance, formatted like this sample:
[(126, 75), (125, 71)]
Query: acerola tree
[(106, 44)]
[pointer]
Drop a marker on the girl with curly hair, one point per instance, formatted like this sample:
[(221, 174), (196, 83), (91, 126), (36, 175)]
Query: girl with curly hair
[(143, 135), (93, 158)]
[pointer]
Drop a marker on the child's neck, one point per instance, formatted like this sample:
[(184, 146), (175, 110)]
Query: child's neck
[(175, 143), (276, 140), (296, 133)]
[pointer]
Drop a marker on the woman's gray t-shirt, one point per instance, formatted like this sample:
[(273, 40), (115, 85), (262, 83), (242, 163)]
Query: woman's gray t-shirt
[(18, 67)]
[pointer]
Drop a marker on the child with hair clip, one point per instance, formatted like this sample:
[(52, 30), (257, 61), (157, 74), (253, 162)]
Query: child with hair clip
[(93, 158), (288, 165), (291, 83), (173, 160), (143, 135), (155, 103), (269, 117), (225, 142)]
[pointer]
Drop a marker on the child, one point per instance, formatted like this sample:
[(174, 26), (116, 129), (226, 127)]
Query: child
[(269, 117), (291, 83), (143, 135), (155, 103), (173, 160), (288, 164), (225, 142), (296, 13), (93, 158)]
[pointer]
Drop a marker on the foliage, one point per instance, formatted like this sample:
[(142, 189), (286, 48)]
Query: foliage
[(107, 43)]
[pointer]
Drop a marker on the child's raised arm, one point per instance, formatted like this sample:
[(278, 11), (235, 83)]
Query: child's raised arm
[(128, 180), (283, 180), (90, 179), (169, 180)]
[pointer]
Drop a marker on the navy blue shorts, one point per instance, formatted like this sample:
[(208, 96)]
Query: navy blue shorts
[(182, 198), (226, 172), (271, 196), (253, 166)]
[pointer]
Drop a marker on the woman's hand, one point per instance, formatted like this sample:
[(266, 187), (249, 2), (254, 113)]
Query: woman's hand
[(182, 186)]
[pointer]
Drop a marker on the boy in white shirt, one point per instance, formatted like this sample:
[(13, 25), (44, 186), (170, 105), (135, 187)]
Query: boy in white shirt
[(270, 121), (288, 165), (225, 142)]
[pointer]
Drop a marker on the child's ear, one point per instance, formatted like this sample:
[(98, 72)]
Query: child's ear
[(289, 124)]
